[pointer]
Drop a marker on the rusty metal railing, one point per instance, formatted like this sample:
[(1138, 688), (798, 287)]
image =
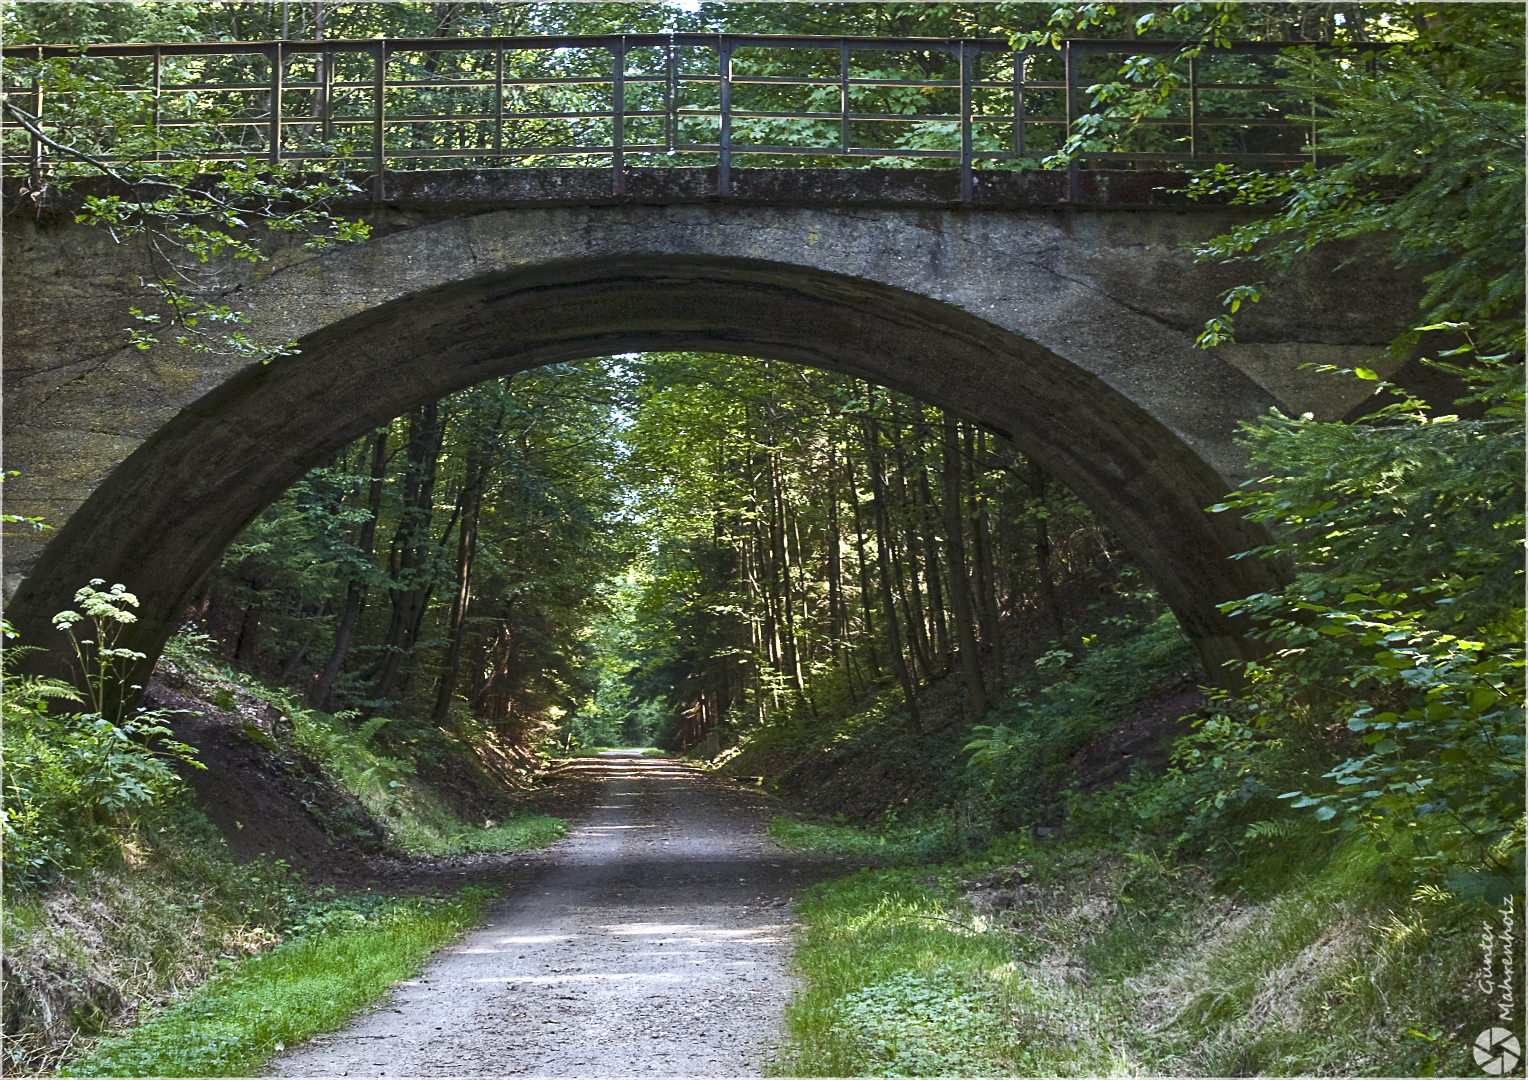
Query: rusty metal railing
[(619, 100)]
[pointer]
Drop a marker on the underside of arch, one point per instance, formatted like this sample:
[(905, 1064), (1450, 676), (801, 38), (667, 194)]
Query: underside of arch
[(162, 518)]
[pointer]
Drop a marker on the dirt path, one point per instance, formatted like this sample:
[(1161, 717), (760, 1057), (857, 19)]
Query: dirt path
[(651, 941)]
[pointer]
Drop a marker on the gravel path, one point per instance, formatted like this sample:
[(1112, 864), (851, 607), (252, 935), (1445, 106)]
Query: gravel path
[(651, 941)]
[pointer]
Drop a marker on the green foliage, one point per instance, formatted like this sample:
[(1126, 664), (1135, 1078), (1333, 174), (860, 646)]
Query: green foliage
[(895, 986), (936, 837), (758, 612), (1086, 960), (937, 1024), (1217, 802), (75, 781), (340, 959), (1395, 654), (1427, 153), (1020, 760), (522, 459), (1406, 631), (72, 783)]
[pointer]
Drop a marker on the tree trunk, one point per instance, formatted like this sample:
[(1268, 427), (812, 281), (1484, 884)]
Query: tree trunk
[(780, 537), (912, 597), (838, 618), (883, 561), (411, 544), (354, 593), (469, 505), (960, 586), (981, 533), (302, 649), (926, 514), (1037, 487), (866, 591)]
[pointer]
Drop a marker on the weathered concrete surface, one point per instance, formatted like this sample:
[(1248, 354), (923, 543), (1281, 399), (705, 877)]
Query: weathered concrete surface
[(1068, 330)]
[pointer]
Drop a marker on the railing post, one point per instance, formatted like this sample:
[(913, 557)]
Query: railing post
[(618, 118), (1193, 107), (724, 157), (158, 91), (671, 98), (498, 103), (843, 97), (1073, 174), (278, 56), (326, 96), (378, 122), (1020, 57), (37, 146), (968, 59)]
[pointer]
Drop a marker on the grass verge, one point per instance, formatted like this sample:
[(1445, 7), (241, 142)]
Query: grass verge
[(347, 956), (896, 986), (1073, 960), (938, 837), (421, 823)]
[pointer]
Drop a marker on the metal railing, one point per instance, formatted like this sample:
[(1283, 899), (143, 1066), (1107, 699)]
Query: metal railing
[(618, 100)]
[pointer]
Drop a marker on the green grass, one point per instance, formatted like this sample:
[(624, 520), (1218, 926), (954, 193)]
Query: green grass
[(897, 987), (518, 834), (250, 1010), (1057, 960), (889, 843), (425, 826)]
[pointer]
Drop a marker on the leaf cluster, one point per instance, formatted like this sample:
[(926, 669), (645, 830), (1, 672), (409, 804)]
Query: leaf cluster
[(75, 782)]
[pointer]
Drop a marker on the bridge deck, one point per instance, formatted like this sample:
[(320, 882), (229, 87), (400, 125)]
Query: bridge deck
[(457, 190)]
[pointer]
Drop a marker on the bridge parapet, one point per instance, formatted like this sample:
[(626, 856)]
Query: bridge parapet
[(684, 99)]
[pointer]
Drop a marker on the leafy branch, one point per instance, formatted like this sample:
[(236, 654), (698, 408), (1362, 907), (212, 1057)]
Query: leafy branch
[(192, 225)]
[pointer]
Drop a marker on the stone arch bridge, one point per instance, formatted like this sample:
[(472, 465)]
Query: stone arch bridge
[(1066, 328)]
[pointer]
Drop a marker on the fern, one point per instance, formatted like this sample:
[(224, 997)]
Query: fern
[(1275, 829)]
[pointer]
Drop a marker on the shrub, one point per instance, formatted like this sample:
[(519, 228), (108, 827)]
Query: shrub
[(74, 781)]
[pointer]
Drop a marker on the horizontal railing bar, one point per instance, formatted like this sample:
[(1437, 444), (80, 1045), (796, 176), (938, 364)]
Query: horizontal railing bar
[(394, 46), (702, 114), (703, 148), (1183, 159), (538, 43), (656, 80)]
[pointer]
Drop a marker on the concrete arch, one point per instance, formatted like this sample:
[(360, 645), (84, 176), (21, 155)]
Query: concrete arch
[(168, 512), (1035, 324)]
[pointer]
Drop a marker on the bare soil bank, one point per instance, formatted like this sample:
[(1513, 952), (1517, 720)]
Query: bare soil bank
[(651, 941)]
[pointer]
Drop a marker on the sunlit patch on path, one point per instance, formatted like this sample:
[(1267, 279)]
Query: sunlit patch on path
[(648, 946)]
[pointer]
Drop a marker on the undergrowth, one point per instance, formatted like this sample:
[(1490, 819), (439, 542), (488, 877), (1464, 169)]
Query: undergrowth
[(379, 767), (895, 986), (84, 953), (1039, 959), (339, 959), (935, 837), (119, 908)]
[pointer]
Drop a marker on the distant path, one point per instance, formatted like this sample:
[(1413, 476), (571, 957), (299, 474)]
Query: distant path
[(652, 941)]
